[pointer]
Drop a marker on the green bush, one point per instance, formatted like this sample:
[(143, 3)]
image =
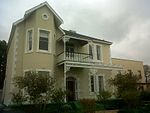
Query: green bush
[(76, 105), (103, 96), (129, 111), (38, 88), (145, 95), (66, 108), (88, 105), (18, 98), (110, 104), (58, 96)]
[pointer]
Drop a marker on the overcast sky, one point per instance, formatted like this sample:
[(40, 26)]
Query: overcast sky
[(124, 22)]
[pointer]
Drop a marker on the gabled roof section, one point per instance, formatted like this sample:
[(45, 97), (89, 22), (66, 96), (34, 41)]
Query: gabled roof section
[(30, 11), (59, 21), (74, 34)]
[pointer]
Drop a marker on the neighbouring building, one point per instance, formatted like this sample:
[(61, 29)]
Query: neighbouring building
[(147, 73), (79, 63), (131, 65)]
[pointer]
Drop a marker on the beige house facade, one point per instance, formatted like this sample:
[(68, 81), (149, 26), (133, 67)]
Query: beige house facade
[(79, 63)]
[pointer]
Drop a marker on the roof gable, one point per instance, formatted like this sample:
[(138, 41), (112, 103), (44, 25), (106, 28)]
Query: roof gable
[(30, 11)]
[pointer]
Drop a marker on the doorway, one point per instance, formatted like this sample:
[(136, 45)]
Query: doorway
[(71, 88)]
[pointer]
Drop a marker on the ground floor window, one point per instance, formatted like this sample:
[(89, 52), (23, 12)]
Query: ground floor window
[(44, 72), (96, 83), (39, 71), (100, 83), (92, 83)]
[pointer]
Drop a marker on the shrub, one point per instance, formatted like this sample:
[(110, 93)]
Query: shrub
[(88, 105), (145, 95), (38, 87), (66, 108), (103, 96), (126, 85), (58, 96), (18, 98), (129, 111)]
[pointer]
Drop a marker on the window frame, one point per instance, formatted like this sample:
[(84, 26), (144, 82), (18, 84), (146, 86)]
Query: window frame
[(103, 83), (44, 70), (49, 41), (92, 55), (92, 89), (96, 50), (36, 70), (96, 83), (27, 40)]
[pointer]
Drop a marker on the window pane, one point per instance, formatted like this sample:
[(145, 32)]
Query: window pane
[(44, 72), (44, 33), (92, 83), (30, 40), (90, 51), (98, 49), (43, 40)]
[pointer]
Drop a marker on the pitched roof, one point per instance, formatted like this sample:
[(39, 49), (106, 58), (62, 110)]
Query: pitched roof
[(30, 11), (74, 34)]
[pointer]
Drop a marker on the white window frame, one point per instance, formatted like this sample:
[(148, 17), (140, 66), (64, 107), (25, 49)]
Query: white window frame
[(92, 92), (93, 83), (95, 51), (90, 44), (97, 82), (36, 70), (27, 41), (26, 71), (49, 41), (46, 70), (101, 55)]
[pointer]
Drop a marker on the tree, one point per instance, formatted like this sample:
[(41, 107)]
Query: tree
[(3, 58), (58, 97), (126, 85), (103, 96), (37, 87)]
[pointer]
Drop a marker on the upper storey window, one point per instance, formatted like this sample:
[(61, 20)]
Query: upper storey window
[(98, 50), (91, 51), (29, 40), (44, 40)]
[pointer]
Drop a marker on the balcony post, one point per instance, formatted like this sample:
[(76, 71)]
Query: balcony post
[(65, 79), (64, 40), (66, 69)]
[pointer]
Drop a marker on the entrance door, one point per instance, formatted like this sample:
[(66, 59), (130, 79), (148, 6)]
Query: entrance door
[(71, 88)]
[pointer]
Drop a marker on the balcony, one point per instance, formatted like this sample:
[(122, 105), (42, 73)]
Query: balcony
[(82, 60), (74, 57)]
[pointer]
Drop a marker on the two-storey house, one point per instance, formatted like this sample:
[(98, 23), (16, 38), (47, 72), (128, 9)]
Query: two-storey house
[(79, 63)]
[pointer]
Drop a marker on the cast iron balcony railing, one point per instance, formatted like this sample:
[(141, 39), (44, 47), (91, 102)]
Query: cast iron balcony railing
[(75, 57)]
